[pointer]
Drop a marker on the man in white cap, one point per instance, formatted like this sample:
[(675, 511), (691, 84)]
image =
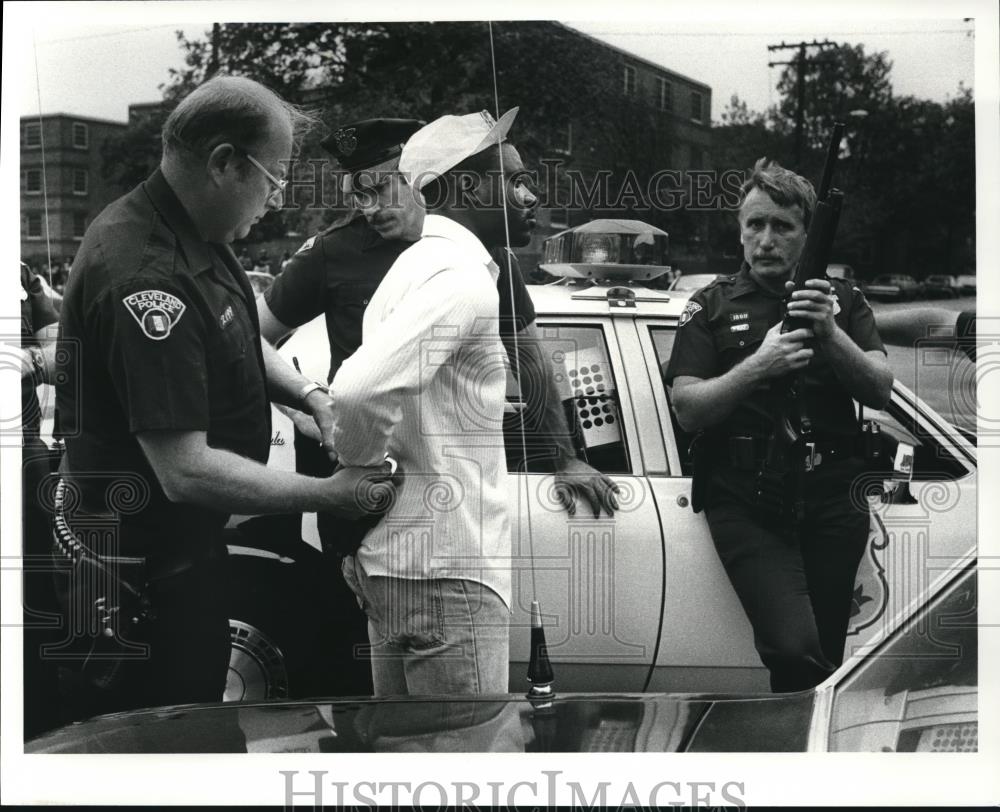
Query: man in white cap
[(427, 386)]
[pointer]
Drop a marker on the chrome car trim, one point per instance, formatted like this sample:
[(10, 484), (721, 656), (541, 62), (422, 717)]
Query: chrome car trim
[(256, 552), (819, 727), (900, 621)]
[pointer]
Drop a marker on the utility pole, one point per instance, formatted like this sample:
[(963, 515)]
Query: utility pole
[(800, 85), (213, 62)]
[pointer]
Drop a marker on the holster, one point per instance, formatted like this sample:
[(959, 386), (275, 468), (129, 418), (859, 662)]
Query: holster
[(104, 599)]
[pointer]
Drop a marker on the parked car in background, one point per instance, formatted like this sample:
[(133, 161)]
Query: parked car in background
[(837, 270), (689, 283), (967, 283), (939, 285), (893, 287)]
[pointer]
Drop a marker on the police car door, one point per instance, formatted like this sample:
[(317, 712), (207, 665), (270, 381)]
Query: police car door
[(599, 581), (706, 642)]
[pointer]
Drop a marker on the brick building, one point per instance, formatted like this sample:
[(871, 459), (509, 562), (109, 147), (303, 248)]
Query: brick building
[(645, 119), (587, 109), (61, 169)]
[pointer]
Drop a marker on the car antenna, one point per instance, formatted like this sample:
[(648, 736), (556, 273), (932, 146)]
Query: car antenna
[(540, 674)]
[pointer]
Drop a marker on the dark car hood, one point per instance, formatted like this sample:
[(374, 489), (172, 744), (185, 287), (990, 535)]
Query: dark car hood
[(573, 723)]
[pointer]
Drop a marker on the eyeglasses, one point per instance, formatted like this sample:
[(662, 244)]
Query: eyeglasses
[(279, 185)]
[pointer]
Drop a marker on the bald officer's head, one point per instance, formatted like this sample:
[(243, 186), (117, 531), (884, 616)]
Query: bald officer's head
[(226, 149)]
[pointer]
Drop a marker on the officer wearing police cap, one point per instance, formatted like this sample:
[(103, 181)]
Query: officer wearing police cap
[(335, 273)]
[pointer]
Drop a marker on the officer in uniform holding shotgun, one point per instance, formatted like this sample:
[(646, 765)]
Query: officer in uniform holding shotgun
[(792, 567)]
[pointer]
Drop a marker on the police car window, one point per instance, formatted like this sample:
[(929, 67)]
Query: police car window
[(663, 343), (589, 396), (898, 432)]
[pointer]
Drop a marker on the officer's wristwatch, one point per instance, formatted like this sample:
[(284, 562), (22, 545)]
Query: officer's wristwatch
[(309, 388)]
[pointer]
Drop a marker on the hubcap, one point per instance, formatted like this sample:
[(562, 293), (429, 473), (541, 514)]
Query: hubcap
[(256, 665)]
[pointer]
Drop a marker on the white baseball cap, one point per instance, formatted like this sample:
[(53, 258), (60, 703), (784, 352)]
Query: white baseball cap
[(446, 142)]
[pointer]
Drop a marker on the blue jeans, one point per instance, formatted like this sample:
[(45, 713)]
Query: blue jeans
[(443, 636)]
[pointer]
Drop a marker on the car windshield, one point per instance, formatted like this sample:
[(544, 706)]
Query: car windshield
[(918, 693)]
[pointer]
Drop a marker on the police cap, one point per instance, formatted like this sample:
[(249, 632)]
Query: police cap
[(370, 143)]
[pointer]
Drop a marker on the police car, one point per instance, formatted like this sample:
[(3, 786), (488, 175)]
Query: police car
[(638, 602), (917, 691)]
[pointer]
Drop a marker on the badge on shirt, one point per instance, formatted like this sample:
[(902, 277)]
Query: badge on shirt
[(739, 316), (155, 311), (739, 328), (689, 310), (306, 245), (226, 317), (836, 304)]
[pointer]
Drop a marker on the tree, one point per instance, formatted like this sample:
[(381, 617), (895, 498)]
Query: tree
[(423, 70), (128, 158), (837, 81), (907, 168)]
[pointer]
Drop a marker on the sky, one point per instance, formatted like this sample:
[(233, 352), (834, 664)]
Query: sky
[(98, 70)]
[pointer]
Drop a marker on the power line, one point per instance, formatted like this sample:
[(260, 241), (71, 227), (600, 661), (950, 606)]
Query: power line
[(800, 82), (107, 34), (870, 33)]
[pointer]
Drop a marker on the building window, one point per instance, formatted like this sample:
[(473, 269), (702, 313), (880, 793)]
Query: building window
[(79, 181), (34, 231), (32, 135), (697, 114), (33, 181), (629, 87), (79, 224), (81, 135), (666, 95)]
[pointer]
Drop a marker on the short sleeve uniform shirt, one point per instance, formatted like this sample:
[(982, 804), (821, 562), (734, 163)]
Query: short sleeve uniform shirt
[(159, 333), (725, 322)]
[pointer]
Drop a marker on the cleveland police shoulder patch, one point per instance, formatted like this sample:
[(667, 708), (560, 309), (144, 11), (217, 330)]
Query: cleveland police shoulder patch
[(689, 310), (306, 245), (155, 311)]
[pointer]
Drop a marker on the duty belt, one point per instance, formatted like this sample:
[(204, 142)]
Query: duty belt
[(114, 588), (745, 452)]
